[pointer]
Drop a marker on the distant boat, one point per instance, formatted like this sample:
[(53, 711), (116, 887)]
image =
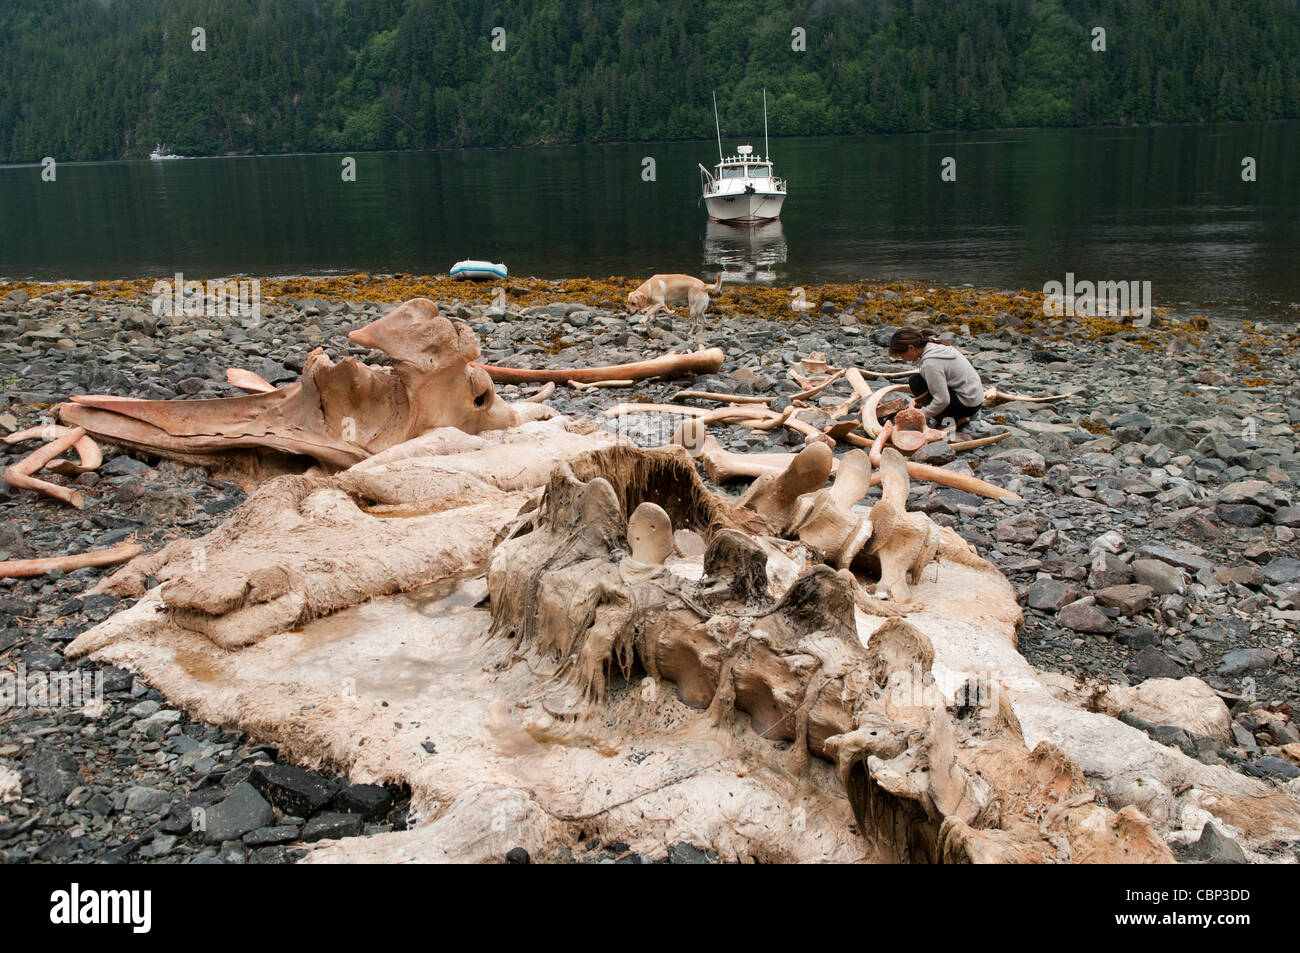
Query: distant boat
[(160, 153), (742, 188), (478, 270)]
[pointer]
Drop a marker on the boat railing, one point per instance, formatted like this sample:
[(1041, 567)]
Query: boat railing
[(707, 181)]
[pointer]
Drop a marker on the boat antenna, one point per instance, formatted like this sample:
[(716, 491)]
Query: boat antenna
[(766, 150), (716, 127)]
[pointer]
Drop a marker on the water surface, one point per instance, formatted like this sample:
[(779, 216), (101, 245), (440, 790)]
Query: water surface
[(1165, 204)]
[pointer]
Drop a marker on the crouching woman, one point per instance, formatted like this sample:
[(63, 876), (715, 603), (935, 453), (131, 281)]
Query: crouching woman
[(948, 386)]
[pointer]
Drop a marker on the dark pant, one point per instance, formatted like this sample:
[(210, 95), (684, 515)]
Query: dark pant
[(955, 409)]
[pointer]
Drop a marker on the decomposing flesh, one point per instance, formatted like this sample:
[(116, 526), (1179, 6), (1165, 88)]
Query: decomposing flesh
[(338, 414), (930, 733)]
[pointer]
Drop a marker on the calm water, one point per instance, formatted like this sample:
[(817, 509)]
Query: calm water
[(1161, 204)]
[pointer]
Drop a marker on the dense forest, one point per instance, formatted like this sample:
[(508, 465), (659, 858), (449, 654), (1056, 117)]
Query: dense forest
[(109, 78)]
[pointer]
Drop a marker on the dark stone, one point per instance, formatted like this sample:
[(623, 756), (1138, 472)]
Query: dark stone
[(1138, 638), (1152, 663), (1108, 570), (1240, 514), (279, 834), (517, 855), (1241, 661), (333, 825), (1192, 562), (371, 801), (243, 810), (1134, 419), (39, 657), (273, 854), (291, 789), (684, 853), (1049, 595), (1230, 628), (56, 773), (1214, 848), (935, 454), (122, 465), (1085, 618), (1270, 767), (1282, 571), (951, 501)]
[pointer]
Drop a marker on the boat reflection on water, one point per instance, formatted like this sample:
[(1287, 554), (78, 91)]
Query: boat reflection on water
[(745, 253)]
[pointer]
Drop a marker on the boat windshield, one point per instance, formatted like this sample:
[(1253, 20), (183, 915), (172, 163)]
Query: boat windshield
[(733, 172)]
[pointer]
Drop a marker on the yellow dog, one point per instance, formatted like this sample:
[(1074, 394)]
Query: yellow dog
[(660, 291)]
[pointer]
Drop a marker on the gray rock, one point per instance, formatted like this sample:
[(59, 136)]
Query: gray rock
[(1024, 460), (1108, 570), (1177, 438), (333, 825), (1163, 578), (1082, 617), (1221, 631), (1241, 661), (1281, 571), (684, 853), (1152, 663), (1193, 562), (143, 800), (1271, 767), (278, 834), (56, 773), (1257, 493), (1138, 638), (1243, 737), (1215, 848), (1049, 595), (274, 854), (1157, 456), (243, 810), (935, 454), (1240, 514)]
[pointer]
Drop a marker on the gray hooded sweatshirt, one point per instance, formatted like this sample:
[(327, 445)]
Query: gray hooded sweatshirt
[(949, 375)]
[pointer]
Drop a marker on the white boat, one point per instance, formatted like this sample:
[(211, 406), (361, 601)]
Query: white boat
[(743, 187), (160, 153), (479, 270)]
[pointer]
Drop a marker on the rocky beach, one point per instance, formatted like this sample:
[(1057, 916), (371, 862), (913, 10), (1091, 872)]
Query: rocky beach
[(1156, 535)]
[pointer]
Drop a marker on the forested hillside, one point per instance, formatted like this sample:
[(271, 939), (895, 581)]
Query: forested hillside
[(109, 78)]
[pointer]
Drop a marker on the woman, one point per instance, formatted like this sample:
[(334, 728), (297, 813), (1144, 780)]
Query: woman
[(947, 386)]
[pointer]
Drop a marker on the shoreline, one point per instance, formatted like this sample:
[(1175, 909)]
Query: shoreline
[(1159, 534), (636, 142), (889, 299)]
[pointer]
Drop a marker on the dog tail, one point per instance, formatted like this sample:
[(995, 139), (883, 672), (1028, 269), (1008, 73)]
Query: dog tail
[(717, 285)]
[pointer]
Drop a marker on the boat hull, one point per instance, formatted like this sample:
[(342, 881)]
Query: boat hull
[(745, 206)]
